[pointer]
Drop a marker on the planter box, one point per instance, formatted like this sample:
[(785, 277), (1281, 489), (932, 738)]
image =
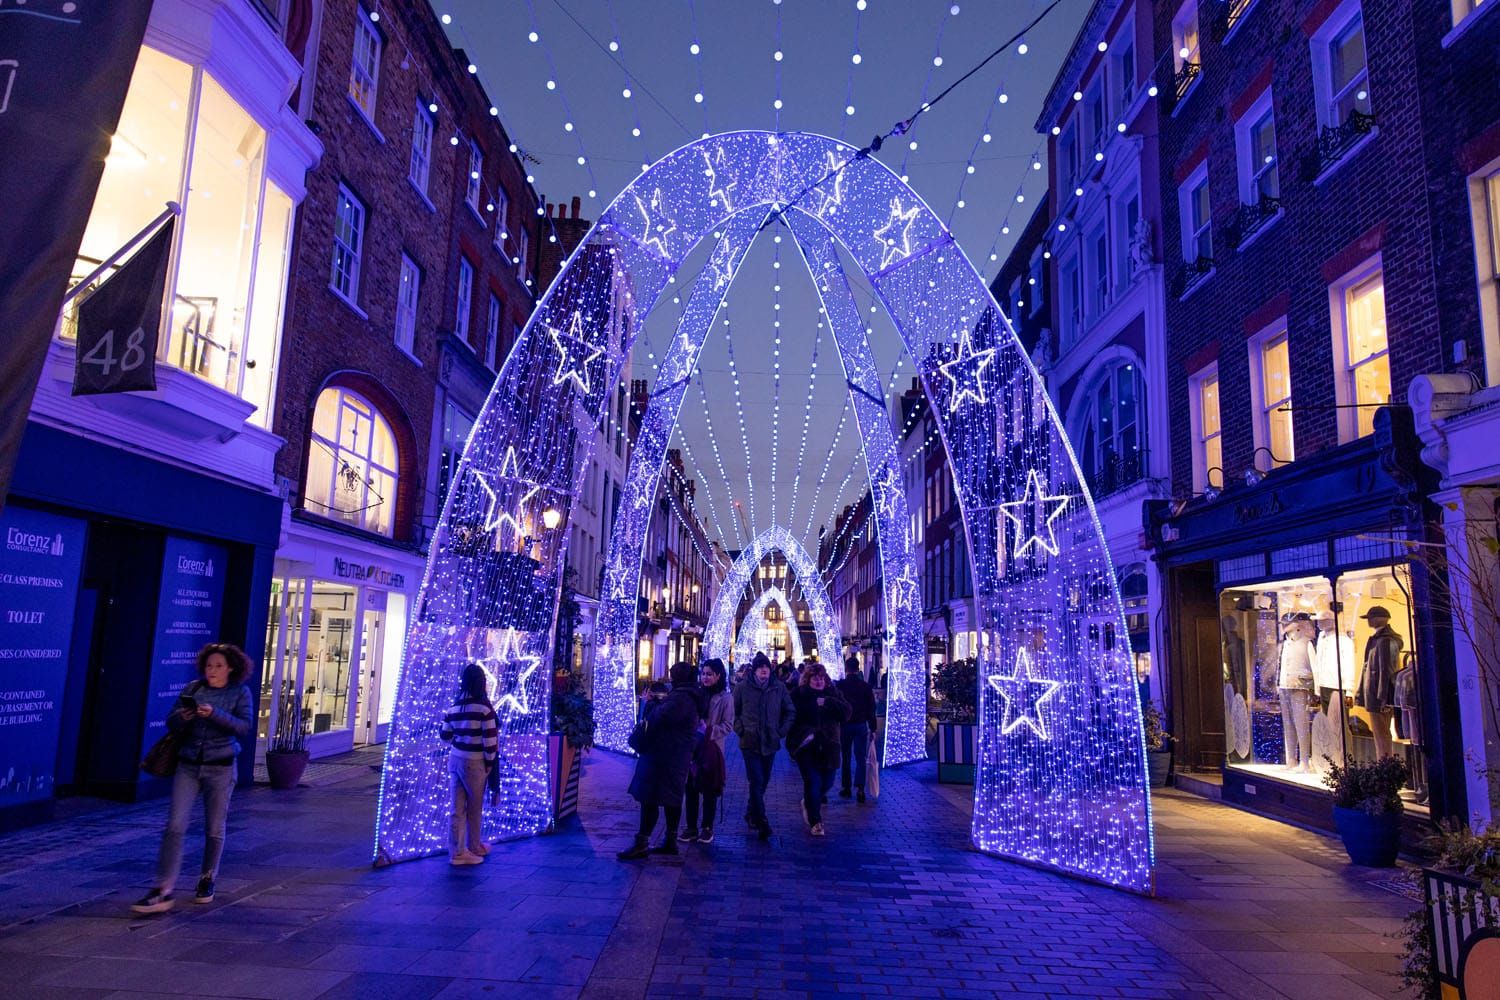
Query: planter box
[(1158, 767), (958, 750), (566, 769), (1370, 840), (1459, 915), (284, 769)]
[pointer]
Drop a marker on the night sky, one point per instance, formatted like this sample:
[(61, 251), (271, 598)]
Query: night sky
[(897, 42)]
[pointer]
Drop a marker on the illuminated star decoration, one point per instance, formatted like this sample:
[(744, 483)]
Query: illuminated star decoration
[(895, 235), (895, 679), (516, 669), (1024, 695), (575, 352), (965, 373), (718, 188), (1029, 511), (885, 496), (830, 193), (494, 517), (904, 590), (658, 226)]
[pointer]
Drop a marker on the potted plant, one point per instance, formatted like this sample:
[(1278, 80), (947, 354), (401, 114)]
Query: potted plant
[(573, 728), (286, 757), (956, 686), (1464, 883), (1158, 747), (1367, 808)]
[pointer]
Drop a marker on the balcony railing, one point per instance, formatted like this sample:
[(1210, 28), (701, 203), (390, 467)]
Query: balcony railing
[(1116, 472), (1335, 141), (1251, 219), (1190, 274), (1186, 74)]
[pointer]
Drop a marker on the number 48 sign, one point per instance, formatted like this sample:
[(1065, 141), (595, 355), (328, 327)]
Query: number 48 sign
[(119, 321)]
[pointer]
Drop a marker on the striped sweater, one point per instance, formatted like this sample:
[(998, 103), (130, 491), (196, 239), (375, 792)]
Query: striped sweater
[(473, 729)]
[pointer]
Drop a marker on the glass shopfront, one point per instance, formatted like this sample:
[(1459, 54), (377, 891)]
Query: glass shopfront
[(1320, 670)]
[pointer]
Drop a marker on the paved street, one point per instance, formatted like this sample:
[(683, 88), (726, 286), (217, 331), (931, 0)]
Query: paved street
[(892, 903)]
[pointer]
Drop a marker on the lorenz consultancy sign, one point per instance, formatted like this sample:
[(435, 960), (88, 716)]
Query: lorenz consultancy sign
[(40, 559)]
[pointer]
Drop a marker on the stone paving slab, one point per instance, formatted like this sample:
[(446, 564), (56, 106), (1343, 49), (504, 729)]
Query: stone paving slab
[(892, 903)]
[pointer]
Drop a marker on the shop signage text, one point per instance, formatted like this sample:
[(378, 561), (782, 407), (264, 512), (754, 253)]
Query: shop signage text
[(368, 573)]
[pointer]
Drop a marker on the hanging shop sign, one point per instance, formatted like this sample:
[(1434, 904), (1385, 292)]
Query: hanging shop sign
[(64, 69), (40, 561), (118, 323), (188, 615)]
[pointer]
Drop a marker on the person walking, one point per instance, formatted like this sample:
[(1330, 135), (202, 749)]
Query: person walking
[(763, 714), (472, 730), (854, 734), (706, 775), (814, 740), (664, 743), (210, 716)]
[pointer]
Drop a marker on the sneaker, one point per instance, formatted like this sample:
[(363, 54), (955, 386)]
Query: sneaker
[(861, 799), (817, 830), (844, 793), (706, 835), (465, 858), (635, 851), (154, 901), (690, 834), (205, 893), (481, 849)]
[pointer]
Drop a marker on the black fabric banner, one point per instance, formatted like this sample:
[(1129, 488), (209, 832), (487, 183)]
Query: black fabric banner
[(119, 321), (64, 68)]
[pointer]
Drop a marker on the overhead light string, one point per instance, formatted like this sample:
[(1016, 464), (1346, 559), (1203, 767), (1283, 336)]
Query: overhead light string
[(855, 58)]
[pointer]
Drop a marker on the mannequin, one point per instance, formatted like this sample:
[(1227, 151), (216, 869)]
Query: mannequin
[(1377, 685), (1334, 667), (1294, 685), (1234, 653)]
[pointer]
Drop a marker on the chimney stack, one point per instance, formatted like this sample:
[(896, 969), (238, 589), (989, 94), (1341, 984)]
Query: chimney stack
[(577, 206)]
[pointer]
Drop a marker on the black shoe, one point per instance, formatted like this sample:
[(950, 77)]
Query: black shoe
[(861, 798), (765, 831), (844, 793), (668, 846), (634, 851), (205, 893), (706, 835), (154, 901), (689, 835)]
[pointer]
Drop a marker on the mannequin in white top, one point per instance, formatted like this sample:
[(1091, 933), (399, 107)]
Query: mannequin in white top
[(1335, 670), (1294, 684)]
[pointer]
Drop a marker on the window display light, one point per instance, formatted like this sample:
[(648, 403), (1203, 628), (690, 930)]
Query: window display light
[(1075, 801)]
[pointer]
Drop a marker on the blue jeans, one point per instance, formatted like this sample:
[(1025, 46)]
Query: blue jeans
[(214, 783), (758, 775), (855, 741)]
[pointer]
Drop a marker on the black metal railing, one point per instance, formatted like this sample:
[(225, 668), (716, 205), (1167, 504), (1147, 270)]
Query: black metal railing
[(1114, 472), (1233, 11), (1190, 274), (1186, 74), (1335, 141), (1251, 218)]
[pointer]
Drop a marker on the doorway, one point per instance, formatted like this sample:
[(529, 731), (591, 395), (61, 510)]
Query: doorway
[(371, 656)]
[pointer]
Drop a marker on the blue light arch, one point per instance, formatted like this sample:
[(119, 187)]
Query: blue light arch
[(1061, 777)]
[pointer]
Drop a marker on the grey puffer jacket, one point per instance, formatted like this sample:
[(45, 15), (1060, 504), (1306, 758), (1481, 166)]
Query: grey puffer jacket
[(214, 739)]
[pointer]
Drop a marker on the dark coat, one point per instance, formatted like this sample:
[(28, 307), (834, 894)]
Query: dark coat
[(214, 739), (762, 715), (821, 722), (1377, 686), (860, 696), (671, 730)]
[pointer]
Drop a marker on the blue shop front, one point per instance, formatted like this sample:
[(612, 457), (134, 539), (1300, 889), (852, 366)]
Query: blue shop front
[(116, 569), (1301, 631)]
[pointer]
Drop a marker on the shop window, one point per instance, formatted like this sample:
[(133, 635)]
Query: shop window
[(1112, 430), (1317, 670), (1361, 351), (348, 245), (465, 297), (351, 463), (421, 147), (329, 658), (406, 305), (1271, 394), (1208, 445), (224, 320), (364, 69)]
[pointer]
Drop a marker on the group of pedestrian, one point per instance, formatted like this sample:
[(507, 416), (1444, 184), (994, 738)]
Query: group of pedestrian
[(824, 725)]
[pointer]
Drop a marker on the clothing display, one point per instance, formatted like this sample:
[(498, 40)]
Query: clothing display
[(1296, 727), (1408, 720), (1296, 658), (1382, 657), (1333, 662)]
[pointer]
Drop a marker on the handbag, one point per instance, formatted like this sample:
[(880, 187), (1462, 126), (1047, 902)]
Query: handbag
[(160, 760), (872, 768)]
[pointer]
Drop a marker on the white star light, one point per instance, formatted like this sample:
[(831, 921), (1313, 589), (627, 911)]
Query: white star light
[(1024, 695), (494, 517), (658, 228), (718, 188), (830, 193), (965, 373), (904, 590), (516, 698), (573, 364), (1031, 509), (885, 492), (895, 236)]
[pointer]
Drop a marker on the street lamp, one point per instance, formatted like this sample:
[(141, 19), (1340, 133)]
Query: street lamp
[(551, 518)]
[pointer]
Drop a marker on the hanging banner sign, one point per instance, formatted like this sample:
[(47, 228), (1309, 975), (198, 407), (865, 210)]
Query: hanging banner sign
[(64, 70), (188, 614), (119, 321), (41, 556)]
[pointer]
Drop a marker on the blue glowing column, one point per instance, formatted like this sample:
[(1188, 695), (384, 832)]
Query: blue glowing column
[(906, 686), (717, 636)]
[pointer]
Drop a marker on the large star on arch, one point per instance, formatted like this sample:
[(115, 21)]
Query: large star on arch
[(904, 591), (885, 493), (718, 188), (830, 192), (513, 669), (1033, 516), (965, 373), (575, 352), (494, 517), (658, 224), (1024, 695), (895, 236)]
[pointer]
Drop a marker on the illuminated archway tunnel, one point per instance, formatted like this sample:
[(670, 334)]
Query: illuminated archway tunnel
[(1061, 775), (718, 636), (746, 644)]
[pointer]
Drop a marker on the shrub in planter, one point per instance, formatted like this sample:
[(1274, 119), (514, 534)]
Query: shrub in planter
[(573, 728), (956, 685), (1158, 746), (1367, 808), (286, 757)]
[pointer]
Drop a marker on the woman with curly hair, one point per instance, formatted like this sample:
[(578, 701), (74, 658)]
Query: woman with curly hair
[(211, 716)]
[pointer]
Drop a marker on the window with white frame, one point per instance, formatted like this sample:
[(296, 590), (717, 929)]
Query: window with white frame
[(1185, 58), (364, 70), (1271, 396), (492, 333), (1067, 156), (1208, 445), (523, 253), (457, 426), (465, 299), (502, 219), (406, 305), (1070, 304), (1122, 60), (1341, 77), (1255, 149), (1127, 219), (1362, 350), (1484, 201), (1197, 223), (421, 147), (351, 463), (1097, 261), (348, 243), (1094, 120), (1112, 429), (476, 175), (1034, 282), (1463, 9)]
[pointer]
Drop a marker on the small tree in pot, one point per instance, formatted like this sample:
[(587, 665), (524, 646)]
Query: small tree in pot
[(286, 757), (1367, 808), (1158, 746)]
